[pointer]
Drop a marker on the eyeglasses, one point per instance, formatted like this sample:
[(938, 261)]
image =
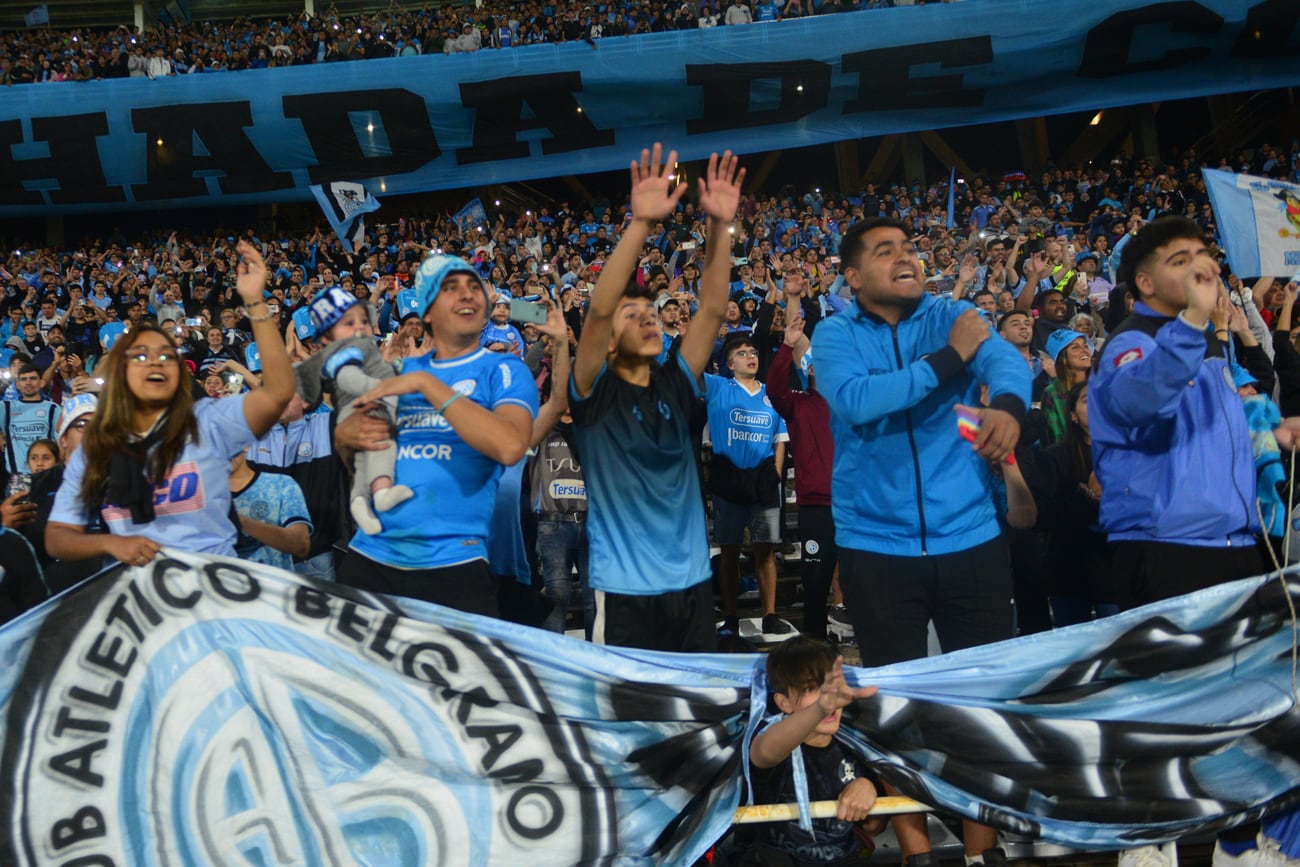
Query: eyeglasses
[(144, 356), (745, 353)]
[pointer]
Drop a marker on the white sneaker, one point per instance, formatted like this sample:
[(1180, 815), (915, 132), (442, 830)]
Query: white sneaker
[(1148, 856), (1267, 854)]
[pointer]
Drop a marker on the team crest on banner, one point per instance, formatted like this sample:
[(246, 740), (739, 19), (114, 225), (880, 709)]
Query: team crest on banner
[(211, 711)]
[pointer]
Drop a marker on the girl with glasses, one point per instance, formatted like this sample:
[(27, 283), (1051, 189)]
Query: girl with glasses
[(153, 463)]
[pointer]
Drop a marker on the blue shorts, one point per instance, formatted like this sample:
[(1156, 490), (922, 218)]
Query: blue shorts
[(730, 520)]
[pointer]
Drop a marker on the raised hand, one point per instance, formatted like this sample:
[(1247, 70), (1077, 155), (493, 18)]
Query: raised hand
[(250, 274), (653, 197), (554, 327), (720, 187), (835, 690)]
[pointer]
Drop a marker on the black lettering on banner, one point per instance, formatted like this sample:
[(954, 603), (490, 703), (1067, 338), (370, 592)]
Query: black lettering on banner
[(476, 697), (64, 721), (1270, 31), (311, 603), (349, 620), (498, 117), (554, 809), (108, 660), (413, 667), (160, 572), (146, 607), (234, 593), (85, 824), (405, 121), (1107, 49), (497, 738), (12, 176), (78, 763), (172, 165), (804, 85), (379, 644), (886, 82), (73, 161), (107, 702)]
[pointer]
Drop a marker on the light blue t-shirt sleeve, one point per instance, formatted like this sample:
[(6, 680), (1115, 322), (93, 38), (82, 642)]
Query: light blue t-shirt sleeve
[(68, 508), (512, 384), (222, 424)]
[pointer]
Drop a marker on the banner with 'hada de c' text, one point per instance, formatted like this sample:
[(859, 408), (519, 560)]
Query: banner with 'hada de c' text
[(412, 124)]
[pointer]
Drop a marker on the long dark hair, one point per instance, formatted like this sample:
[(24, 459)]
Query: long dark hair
[(110, 430), (1077, 440)]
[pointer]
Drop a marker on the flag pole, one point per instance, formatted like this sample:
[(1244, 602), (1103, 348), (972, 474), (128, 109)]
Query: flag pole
[(885, 806)]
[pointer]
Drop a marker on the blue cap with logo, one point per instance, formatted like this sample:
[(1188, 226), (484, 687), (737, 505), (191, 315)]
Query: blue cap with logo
[(302, 326), (434, 271), (408, 304)]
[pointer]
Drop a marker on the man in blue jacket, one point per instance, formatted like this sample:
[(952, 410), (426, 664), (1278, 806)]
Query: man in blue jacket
[(1171, 444), (915, 524)]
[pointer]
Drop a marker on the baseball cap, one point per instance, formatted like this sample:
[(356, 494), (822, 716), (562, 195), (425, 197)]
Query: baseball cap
[(74, 408), (1241, 376), (434, 271), (1086, 254)]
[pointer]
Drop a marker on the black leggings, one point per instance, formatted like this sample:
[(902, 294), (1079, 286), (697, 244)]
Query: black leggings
[(817, 566)]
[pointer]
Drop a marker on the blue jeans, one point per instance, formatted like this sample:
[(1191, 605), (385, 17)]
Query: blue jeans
[(560, 546)]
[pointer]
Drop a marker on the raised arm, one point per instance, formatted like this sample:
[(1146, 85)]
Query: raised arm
[(550, 412), (264, 406), (652, 199), (719, 198)]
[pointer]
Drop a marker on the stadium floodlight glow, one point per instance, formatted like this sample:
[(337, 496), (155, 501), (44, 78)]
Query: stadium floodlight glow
[(497, 203), (799, 88), (579, 109), (1096, 118), (370, 127), (159, 142)]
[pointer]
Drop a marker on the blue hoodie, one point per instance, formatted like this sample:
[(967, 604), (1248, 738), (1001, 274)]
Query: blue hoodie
[(905, 483), (1170, 439)]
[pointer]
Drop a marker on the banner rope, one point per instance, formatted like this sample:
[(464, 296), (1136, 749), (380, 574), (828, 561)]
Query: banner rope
[(1281, 576)]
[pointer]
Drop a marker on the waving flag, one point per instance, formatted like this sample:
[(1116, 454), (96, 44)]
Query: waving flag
[(472, 216), (345, 204), (1259, 222), (209, 710)]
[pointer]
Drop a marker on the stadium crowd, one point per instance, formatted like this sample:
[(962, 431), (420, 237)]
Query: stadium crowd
[(86, 54), (999, 370)]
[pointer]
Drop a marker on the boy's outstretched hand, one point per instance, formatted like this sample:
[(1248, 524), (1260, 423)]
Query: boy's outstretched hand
[(653, 196), (720, 187), (836, 692)]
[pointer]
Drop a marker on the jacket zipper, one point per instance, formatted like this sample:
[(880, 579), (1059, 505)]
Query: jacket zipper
[(911, 442)]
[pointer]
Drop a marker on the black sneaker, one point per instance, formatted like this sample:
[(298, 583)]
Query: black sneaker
[(925, 859), (995, 858), (776, 628), (729, 640)]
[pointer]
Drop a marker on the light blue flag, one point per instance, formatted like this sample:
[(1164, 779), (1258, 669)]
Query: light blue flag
[(345, 203), (472, 216), (1258, 221), (209, 710)]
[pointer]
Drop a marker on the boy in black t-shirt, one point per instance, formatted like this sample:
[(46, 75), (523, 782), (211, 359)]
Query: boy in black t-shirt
[(807, 683)]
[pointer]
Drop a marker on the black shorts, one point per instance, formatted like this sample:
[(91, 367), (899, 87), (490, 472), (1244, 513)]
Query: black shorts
[(891, 600), (681, 620), (466, 587)]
